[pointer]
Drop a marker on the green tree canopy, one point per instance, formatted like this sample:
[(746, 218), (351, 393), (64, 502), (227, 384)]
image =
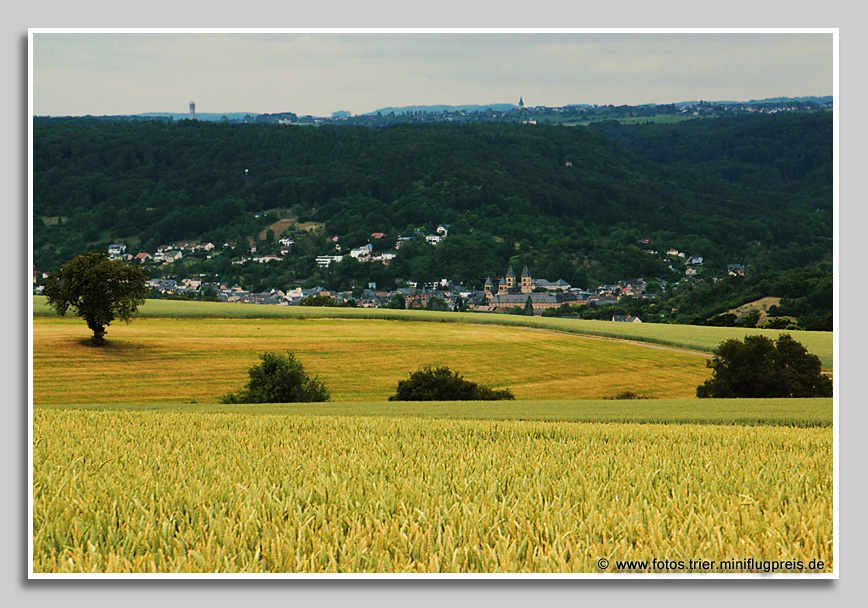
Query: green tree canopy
[(759, 367), (442, 384), (318, 300), (397, 302), (279, 379), (98, 290)]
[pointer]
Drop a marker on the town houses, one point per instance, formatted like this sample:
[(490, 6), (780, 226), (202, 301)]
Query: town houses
[(508, 293)]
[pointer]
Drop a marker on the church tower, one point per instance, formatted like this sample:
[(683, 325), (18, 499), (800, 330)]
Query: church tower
[(510, 278), (526, 283)]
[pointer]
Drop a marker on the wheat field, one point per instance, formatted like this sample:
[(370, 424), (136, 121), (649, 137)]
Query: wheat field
[(191, 492)]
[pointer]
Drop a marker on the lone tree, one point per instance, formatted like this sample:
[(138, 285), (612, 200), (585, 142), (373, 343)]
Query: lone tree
[(759, 367), (441, 384), (98, 290), (279, 379)]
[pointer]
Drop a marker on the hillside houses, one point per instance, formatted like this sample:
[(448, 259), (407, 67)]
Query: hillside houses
[(500, 294), (510, 292)]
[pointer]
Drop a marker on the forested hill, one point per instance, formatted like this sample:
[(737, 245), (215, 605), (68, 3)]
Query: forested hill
[(570, 202)]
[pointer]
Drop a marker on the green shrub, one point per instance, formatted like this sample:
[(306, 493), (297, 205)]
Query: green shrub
[(318, 300), (279, 379), (628, 395), (780, 323), (759, 367), (441, 384)]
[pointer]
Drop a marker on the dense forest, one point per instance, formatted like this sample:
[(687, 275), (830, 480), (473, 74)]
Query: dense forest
[(583, 204)]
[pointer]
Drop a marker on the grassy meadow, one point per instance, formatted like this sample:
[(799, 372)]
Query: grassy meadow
[(170, 491), (137, 468)]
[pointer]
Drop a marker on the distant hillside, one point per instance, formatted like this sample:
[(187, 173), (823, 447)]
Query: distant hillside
[(812, 99), (589, 206), (500, 107)]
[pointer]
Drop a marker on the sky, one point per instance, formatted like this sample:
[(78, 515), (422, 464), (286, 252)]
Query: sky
[(314, 72)]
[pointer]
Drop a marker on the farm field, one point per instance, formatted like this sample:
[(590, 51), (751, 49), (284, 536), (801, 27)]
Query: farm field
[(195, 360), (774, 412), (680, 336), (137, 469), (172, 491)]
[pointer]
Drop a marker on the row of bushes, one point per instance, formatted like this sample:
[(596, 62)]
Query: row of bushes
[(757, 367), (282, 379)]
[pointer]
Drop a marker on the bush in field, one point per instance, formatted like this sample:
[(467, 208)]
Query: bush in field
[(441, 384), (759, 367), (628, 395), (97, 289), (279, 379)]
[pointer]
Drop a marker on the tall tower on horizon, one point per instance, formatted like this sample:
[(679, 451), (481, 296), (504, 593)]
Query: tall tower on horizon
[(192, 110)]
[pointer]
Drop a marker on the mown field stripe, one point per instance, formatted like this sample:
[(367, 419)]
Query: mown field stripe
[(751, 412)]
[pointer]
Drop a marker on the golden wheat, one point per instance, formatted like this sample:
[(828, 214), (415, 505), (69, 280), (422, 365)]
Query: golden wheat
[(117, 491)]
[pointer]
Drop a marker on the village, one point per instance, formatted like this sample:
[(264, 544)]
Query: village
[(509, 293)]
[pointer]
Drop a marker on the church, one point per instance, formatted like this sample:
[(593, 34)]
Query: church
[(511, 293)]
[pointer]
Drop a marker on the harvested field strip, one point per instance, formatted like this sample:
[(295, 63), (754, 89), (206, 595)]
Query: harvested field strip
[(184, 360), (753, 412)]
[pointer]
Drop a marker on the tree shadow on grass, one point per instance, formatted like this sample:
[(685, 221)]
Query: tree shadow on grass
[(112, 346)]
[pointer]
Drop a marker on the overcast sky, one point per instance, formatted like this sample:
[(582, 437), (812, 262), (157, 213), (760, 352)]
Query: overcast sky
[(318, 73)]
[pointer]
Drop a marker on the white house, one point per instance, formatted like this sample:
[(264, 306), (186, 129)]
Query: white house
[(362, 252), (323, 261), (116, 250)]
